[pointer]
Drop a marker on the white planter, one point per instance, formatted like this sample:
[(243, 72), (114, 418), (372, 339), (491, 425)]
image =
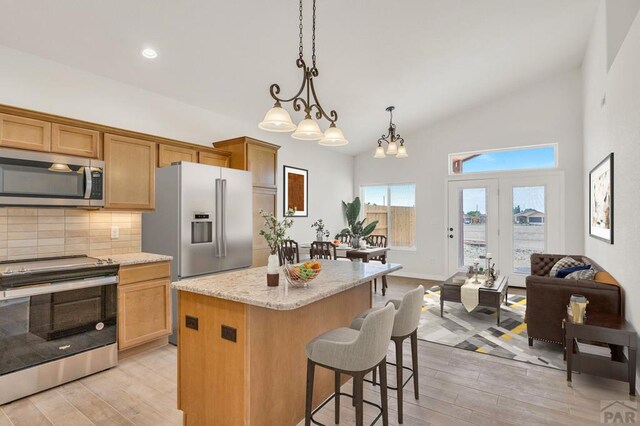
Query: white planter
[(273, 264)]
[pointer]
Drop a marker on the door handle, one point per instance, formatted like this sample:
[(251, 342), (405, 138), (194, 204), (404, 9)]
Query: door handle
[(218, 250), (450, 235), (224, 217)]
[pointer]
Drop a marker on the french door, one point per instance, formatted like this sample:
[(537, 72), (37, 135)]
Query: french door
[(507, 217)]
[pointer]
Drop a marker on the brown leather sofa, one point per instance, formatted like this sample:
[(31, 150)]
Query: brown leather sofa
[(547, 297)]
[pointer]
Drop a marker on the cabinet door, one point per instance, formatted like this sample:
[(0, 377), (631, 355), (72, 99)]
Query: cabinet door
[(172, 154), (262, 162), (264, 199), (24, 133), (131, 173), (75, 141), (144, 312), (213, 159)]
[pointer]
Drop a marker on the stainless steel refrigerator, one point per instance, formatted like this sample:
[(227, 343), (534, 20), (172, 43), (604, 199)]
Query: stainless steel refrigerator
[(203, 219)]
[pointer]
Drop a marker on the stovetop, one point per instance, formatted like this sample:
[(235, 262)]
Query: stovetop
[(15, 273)]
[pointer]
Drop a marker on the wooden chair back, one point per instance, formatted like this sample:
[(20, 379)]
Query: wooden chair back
[(378, 241), (289, 252), (323, 250), (344, 238)]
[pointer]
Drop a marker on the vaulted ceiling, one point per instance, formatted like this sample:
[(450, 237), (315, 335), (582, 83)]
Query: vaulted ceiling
[(429, 58)]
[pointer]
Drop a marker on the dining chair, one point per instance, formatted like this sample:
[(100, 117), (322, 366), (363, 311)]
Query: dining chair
[(377, 241), (289, 252), (323, 250)]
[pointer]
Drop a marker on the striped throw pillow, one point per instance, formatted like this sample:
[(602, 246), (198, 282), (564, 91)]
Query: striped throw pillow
[(585, 274), (565, 262)]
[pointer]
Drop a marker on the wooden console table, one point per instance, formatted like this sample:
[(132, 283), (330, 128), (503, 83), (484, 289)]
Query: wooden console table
[(602, 328)]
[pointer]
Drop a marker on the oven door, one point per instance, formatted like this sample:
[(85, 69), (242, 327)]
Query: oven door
[(34, 178), (45, 322)]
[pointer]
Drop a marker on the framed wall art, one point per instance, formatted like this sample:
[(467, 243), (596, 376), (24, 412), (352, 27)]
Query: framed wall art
[(601, 200), (296, 191)]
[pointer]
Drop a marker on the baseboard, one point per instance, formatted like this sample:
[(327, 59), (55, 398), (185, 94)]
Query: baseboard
[(403, 274), (156, 343)]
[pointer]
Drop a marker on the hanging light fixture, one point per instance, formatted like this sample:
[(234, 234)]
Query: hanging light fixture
[(395, 143), (278, 119)]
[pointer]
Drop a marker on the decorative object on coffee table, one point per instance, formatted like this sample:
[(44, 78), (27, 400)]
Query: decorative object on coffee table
[(601, 200), (609, 362), (492, 297), (274, 232), (296, 191)]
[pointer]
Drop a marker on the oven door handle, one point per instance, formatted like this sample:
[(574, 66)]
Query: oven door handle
[(48, 288)]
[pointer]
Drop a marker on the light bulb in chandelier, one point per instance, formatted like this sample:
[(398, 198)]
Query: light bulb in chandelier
[(333, 136), (402, 151), (308, 130), (277, 119), (379, 152), (392, 149)]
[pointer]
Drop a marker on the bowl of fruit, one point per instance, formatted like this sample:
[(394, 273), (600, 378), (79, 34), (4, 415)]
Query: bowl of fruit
[(302, 274)]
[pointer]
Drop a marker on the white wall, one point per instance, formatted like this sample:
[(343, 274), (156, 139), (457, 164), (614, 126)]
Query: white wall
[(31, 82), (547, 112), (615, 127)]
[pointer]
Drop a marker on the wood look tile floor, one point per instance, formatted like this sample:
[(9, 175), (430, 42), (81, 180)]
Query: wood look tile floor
[(457, 387)]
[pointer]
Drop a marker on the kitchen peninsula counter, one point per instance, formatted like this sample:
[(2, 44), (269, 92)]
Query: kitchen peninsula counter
[(241, 344)]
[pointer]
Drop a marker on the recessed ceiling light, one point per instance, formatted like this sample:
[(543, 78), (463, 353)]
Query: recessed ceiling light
[(149, 53)]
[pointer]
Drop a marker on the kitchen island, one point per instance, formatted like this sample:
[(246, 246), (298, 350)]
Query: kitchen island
[(241, 344)]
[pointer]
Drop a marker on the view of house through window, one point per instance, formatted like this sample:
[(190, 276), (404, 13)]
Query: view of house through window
[(526, 158), (528, 225), (394, 207)]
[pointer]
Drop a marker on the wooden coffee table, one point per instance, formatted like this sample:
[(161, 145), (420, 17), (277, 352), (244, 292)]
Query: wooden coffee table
[(491, 297)]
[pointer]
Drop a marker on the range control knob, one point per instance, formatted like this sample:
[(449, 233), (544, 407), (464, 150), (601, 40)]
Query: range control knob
[(100, 262), (8, 271), (109, 260)]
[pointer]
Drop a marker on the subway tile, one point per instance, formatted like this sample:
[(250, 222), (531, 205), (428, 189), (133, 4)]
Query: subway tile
[(76, 219), (22, 243), (22, 235), (3, 244), (76, 226), (83, 248), (22, 211), (96, 217), (18, 220), (51, 234), (25, 227), (99, 252), (100, 239), (100, 232), (50, 227), (22, 251), (58, 250), (100, 225), (50, 241), (120, 244), (76, 240), (76, 212), (76, 233), (3, 211), (123, 250), (51, 212), (3, 227), (99, 246), (50, 219)]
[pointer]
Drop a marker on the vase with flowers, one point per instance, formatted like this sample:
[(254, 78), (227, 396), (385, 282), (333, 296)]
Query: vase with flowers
[(274, 233), (321, 230)]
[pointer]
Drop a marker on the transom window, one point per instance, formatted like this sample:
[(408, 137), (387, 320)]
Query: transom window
[(394, 207), (499, 160)]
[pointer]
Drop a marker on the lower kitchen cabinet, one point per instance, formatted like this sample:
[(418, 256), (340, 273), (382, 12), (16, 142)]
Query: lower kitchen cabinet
[(144, 304)]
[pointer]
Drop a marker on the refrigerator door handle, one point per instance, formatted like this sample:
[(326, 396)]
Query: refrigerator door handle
[(218, 249), (224, 218)]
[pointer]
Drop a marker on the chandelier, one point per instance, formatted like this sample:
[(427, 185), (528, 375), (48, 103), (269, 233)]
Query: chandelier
[(277, 118), (392, 139)]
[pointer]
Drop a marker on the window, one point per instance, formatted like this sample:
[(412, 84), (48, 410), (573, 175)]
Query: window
[(394, 207), (525, 158)]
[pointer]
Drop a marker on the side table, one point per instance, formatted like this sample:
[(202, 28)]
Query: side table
[(608, 329)]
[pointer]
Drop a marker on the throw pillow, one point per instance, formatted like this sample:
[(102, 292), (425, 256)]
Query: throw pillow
[(584, 274), (565, 262), (562, 273)]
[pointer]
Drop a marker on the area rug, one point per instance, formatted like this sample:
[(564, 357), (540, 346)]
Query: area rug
[(477, 330)]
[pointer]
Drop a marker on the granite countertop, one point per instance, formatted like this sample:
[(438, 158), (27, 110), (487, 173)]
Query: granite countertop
[(249, 286), (137, 258)]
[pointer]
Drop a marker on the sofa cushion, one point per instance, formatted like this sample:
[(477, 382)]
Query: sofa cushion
[(562, 273), (605, 278), (565, 262), (582, 274)]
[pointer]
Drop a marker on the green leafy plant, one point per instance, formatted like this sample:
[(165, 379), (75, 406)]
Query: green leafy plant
[(319, 226), (356, 227), (275, 231)]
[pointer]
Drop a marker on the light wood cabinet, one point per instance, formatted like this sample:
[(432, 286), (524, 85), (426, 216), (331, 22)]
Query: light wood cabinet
[(130, 170), (168, 154), (214, 158), (76, 141), (261, 159), (24, 133), (144, 304)]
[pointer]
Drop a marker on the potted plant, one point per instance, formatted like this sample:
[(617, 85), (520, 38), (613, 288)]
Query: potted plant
[(321, 232), (274, 232), (357, 229)]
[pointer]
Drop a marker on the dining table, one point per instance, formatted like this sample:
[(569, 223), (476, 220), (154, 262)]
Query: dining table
[(363, 254)]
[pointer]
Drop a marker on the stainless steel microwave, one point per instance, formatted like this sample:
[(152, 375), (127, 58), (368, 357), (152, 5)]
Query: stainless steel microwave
[(30, 178)]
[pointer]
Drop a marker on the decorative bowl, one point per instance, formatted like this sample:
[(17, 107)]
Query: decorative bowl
[(302, 274)]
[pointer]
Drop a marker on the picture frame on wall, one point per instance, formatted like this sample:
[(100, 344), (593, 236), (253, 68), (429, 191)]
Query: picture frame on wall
[(296, 191), (601, 200)]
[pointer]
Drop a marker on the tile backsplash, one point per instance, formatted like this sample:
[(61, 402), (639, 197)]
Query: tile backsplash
[(45, 232)]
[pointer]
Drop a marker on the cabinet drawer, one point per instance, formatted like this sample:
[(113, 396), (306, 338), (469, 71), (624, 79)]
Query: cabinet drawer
[(144, 272)]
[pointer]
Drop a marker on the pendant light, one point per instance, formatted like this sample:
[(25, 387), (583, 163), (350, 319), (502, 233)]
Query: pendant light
[(277, 118), (392, 139)]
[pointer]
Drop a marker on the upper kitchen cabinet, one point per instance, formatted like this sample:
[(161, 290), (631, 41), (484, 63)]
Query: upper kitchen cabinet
[(215, 157), (260, 158), (75, 141), (130, 173), (168, 154), (24, 133)]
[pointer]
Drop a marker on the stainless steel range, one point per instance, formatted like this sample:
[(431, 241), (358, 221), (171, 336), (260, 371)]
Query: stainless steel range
[(57, 322)]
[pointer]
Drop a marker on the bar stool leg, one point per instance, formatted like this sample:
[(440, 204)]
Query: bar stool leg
[(383, 392), (414, 359), (399, 380), (337, 398), (309, 402), (358, 391)]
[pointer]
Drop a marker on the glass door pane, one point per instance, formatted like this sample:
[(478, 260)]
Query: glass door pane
[(528, 226), (473, 225)]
